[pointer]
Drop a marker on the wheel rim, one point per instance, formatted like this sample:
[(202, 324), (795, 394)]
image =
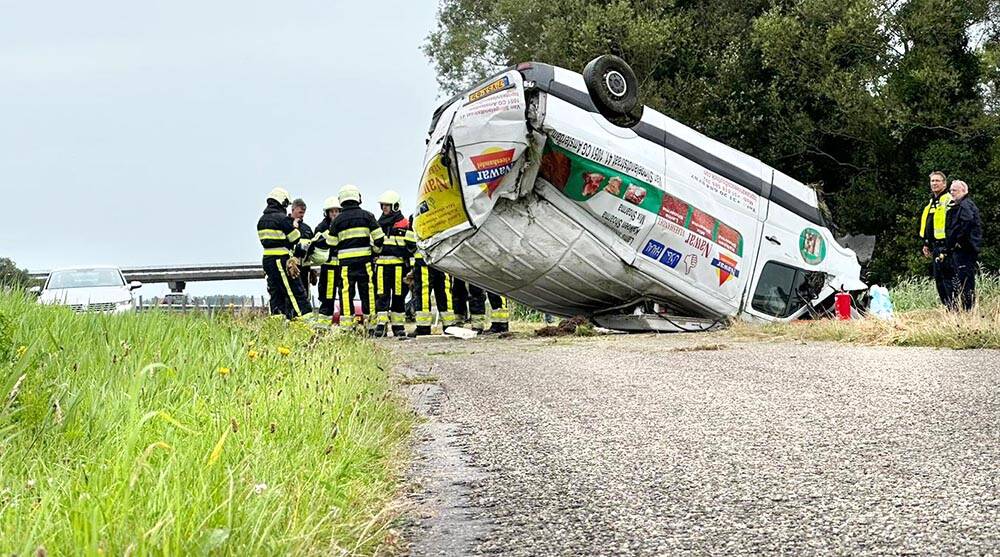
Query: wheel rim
[(616, 84)]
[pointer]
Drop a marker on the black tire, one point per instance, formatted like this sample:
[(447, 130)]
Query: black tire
[(614, 90)]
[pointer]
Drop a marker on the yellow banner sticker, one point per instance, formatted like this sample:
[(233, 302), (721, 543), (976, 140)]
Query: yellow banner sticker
[(439, 201)]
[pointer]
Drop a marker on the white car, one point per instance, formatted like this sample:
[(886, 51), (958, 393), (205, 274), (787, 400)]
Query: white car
[(564, 192), (89, 289)]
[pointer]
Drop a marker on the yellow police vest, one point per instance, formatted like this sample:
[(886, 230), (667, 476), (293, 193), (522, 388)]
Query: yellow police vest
[(939, 208)]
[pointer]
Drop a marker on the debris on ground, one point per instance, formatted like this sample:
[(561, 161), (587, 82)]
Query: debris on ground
[(578, 325)]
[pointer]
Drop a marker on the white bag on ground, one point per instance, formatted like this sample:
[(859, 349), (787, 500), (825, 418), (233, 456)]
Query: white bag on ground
[(881, 304)]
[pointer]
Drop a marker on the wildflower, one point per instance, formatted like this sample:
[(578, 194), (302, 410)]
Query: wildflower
[(224, 371), (259, 488), (284, 351), (21, 350), (30, 484), (253, 354)]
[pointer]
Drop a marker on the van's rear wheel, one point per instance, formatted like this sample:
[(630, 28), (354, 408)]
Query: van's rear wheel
[(614, 89)]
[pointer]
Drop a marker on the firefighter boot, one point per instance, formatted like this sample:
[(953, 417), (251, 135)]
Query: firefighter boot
[(379, 331), (496, 327), (421, 330), (398, 331)]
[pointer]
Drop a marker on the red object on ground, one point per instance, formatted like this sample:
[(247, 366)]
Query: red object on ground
[(843, 303)]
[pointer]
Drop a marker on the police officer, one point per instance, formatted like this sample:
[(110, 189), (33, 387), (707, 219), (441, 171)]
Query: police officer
[(329, 270), (391, 266), (354, 237), (932, 231), (280, 240), (963, 241)]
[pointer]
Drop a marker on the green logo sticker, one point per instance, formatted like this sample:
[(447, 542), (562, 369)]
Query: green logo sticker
[(812, 246)]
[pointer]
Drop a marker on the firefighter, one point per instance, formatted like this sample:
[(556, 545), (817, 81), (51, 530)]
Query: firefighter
[(280, 240), (329, 271), (933, 223), (354, 237), (391, 266), (461, 301), (499, 311), (427, 279)]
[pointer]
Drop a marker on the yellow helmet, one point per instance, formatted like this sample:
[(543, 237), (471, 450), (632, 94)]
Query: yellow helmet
[(349, 192), (280, 195), (331, 203), (389, 198)]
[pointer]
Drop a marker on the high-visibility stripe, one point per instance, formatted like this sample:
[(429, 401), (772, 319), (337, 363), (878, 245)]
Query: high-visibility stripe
[(276, 251), (425, 289), (447, 294), (377, 233), (331, 275), (398, 286), (371, 296), (351, 233), (447, 318), (395, 241), (350, 253), (270, 234), (418, 255), (381, 280), (382, 318), (424, 318), (346, 304), (294, 235), (288, 287), (388, 260), (397, 318), (411, 236)]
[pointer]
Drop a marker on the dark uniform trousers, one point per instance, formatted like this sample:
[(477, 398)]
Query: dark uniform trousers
[(390, 304), (425, 281), (329, 284), (288, 297), (356, 279), (964, 286), (499, 314), (944, 274)]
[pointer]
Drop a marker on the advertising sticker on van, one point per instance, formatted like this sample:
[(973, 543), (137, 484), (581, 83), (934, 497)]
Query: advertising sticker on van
[(725, 268), (490, 167), (812, 246)]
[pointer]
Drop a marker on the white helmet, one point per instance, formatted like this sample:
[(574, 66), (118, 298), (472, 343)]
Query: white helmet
[(389, 198), (349, 192), (280, 195), (331, 203)]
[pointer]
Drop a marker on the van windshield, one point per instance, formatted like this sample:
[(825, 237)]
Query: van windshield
[(85, 278)]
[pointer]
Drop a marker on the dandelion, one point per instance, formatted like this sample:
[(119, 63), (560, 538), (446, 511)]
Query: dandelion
[(253, 354), (284, 351), (224, 371), (259, 488), (20, 351)]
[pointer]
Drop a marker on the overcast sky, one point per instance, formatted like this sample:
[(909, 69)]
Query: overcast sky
[(145, 133)]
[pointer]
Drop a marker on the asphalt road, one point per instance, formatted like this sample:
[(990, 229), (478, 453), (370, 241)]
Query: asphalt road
[(649, 445)]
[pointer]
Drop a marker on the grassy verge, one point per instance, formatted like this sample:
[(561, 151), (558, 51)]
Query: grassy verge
[(919, 321), (157, 433)]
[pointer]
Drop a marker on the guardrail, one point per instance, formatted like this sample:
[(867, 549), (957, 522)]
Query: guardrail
[(177, 276)]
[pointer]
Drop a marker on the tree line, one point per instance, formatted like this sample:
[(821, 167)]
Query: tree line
[(860, 98)]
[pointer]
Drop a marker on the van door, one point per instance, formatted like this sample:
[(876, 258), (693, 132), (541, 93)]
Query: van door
[(778, 287)]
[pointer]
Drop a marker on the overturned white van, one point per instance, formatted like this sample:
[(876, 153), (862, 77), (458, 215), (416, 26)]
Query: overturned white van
[(563, 192)]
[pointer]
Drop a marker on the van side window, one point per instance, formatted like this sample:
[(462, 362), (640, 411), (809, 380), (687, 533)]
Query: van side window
[(776, 290)]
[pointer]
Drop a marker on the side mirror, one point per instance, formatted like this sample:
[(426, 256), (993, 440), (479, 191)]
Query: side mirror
[(35, 290), (134, 285)]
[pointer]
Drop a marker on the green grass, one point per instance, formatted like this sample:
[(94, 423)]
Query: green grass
[(168, 434), (919, 320)]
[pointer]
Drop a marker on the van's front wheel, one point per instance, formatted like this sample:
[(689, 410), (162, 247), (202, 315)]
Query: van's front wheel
[(614, 90)]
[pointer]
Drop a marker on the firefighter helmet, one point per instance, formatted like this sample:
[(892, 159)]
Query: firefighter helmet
[(349, 192), (331, 203), (280, 195), (390, 198)]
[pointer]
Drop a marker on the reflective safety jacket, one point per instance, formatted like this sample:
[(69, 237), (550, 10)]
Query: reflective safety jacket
[(353, 237), (276, 231), (324, 254), (936, 212), (400, 241)]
